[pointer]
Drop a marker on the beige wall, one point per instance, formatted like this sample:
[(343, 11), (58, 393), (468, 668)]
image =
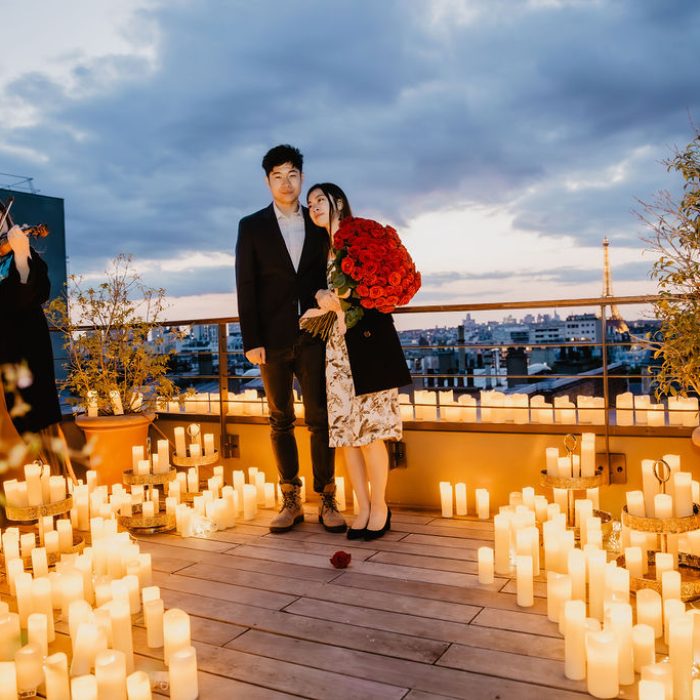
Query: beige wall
[(499, 461)]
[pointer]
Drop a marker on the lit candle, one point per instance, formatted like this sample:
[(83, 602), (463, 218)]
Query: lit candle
[(40, 563), (209, 448), (661, 673), (153, 616), (176, 632), (250, 507), (122, 640), (138, 686), (482, 504), (501, 528), (38, 632), (23, 593), (664, 561), (30, 673), (672, 608), (84, 687), (524, 581), (552, 457), (596, 581), (195, 451), (618, 619), (602, 664), (485, 565), (180, 448), (192, 480), (56, 677), (680, 651), (148, 509), (635, 503), (650, 486), (663, 506), (558, 592), (143, 467), (446, 499), (576, 566), (461, 498), (137, 455), (644, 646), (682, 494), (57, 488), (163, 448), (182, 673), (575, 639), (10, 635), (651, 690), (110, 673), (671, 585), (260, 488), (633, 561)]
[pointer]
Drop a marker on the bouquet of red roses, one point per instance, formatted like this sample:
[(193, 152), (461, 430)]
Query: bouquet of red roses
[(370, 269)]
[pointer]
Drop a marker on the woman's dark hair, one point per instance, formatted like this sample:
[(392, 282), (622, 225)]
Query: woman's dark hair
[(279, 155), (333, 194)]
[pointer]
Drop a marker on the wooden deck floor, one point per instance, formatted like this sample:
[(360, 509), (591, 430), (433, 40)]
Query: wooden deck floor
[(271, 618)]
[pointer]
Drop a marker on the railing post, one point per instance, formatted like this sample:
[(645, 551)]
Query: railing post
[(223, 386), (606, 388)]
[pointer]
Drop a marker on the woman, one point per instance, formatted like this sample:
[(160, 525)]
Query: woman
[(365, 365)]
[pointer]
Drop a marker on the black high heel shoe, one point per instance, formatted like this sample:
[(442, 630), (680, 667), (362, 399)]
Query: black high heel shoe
[(356, 533), (376, 534)]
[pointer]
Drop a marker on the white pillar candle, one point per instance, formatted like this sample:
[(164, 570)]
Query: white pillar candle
[(635, 503), (682, 494), (650, 486), (209, 444), (40, 563), (619, 621), (552, 461), (30, 672), (153, 611), (596, 582), (651, 690), (664, 561), (84, 687), (192, 480), (122, 640), (561, 498), (176, 632), (482, 504), (182, 673), (446, 499), (671, 585), (680, 651), (672, 608), (633, 561), (660, 673), (138, 686), (574, 614), (137, 455), (558, 592), (89, 640), (163, 448), (577, 573), (10, 635), (65, 534), (195, 451), (602, 665), (260, 489), (38, 631), (23, 593), (27, 542), (461, 498), (56, 677), (8, 680), (564, 468), (485, 565), (250, 507), (501, 528), (110, 673), (270, 495), (524, 581), (57, 488), (663, 506), (643, 646)]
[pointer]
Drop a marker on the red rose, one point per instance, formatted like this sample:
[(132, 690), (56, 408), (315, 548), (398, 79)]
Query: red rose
[(347, 266), (370, 267), (367, 303), (340, 559), (385, 309), (375, 292), (362, 290), (392, 300)]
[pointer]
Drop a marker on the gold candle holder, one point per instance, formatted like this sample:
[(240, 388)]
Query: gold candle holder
[(28, 513), (131, 479), (688, 567)]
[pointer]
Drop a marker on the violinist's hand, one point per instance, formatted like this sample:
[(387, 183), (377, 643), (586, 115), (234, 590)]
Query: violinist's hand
[(327, 300), (19, 242)]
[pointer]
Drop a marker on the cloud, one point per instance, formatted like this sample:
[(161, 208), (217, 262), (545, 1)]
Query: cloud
[(153, 121)]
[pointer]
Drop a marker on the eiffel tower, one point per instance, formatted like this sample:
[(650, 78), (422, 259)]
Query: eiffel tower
[(615, 322)]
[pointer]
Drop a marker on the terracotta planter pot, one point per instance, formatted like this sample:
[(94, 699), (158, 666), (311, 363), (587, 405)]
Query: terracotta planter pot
[(114, 437)]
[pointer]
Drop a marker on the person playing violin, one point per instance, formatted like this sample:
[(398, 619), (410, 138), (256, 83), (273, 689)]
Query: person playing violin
[(24, 332)]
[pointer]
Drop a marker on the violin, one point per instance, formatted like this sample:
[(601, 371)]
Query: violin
[(38, 231)]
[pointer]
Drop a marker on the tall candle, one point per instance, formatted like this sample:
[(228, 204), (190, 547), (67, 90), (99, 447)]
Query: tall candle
[(682, 494), (10, 635), (635, 503), (84, 687), (250, 507), (552, 461), (596, 582), (182, 672), (446, 499), (524, 581), (122, 640), (110, 673), (180, 448), (574, 614), (659, 673), (137, 455), (38, 632), (30, 673), (663, 506), (482, 504), (57, 488), (176, 632), (501, 527), (680, 651), (650, 486), (643, 646), (651, 690), (485, 565), (619, 621), (153, 615), (209, 444), (56, 677), (602, 665), (671, 585), (8, 680), (461, 498), (138, 686), (672, 608), (163, 448)]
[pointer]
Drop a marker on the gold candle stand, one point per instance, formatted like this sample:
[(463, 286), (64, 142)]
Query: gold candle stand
[(137, 523)]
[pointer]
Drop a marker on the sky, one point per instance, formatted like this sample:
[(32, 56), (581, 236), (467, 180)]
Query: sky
[(502, 138)]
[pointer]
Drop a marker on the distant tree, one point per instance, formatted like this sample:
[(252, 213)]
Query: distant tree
[(676, 240)]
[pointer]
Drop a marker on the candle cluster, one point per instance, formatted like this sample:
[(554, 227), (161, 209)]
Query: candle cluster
[(38, 488), (498, 407), (199, 446), (115, 401), (97, 593), (454, 500), (573, 465), (638, 410)]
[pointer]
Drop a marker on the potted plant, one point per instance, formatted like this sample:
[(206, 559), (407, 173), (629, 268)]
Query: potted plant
[(676, 241), (117, 361)]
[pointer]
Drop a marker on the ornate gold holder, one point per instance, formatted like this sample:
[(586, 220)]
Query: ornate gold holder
[(688, 567), (131, 479), (201, 461), (662, 526), (141, 525), (53, 557), (578, 483), (28, 513)]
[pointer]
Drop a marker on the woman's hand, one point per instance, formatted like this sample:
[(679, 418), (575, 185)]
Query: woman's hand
[(19, 242)]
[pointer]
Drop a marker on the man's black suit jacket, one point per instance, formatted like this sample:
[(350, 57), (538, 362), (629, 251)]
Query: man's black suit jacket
[(270, 292)]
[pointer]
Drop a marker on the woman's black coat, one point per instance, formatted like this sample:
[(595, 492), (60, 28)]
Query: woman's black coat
[(24, 336)]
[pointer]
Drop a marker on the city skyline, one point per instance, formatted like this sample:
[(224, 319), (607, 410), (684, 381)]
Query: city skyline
[(504, 139)]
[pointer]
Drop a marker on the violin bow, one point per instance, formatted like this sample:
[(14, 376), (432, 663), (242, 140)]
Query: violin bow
[(6, 211)]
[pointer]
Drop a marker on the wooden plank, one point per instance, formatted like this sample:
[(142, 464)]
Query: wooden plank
[(539, 588), (517, 621), (443, 630), (439, 541), (464, 533), (426, 562), (433, 609), (470, 522), (465, 596), (381, 669), (505, 665), (197, 543), (279, 675), (302, 552)]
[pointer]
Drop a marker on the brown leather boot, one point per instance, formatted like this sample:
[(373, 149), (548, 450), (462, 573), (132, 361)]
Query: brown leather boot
[(328, 514), (291, 511)]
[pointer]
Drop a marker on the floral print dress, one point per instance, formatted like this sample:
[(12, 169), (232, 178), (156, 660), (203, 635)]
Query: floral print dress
[(354, 421)]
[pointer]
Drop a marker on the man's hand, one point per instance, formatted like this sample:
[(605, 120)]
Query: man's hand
[(256, 356)]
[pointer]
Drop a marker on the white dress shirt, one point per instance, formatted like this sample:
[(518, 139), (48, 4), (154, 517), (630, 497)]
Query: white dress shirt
[(293, 232)]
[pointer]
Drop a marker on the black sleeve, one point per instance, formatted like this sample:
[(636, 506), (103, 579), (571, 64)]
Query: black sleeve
[(246, 287)]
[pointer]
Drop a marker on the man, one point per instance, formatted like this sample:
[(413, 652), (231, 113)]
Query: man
[(281, 260)]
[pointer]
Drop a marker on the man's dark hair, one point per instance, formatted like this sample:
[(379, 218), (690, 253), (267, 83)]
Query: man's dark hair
[(279, 155)]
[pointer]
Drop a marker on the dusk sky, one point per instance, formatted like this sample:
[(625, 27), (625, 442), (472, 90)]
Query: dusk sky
[(503, 138)]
